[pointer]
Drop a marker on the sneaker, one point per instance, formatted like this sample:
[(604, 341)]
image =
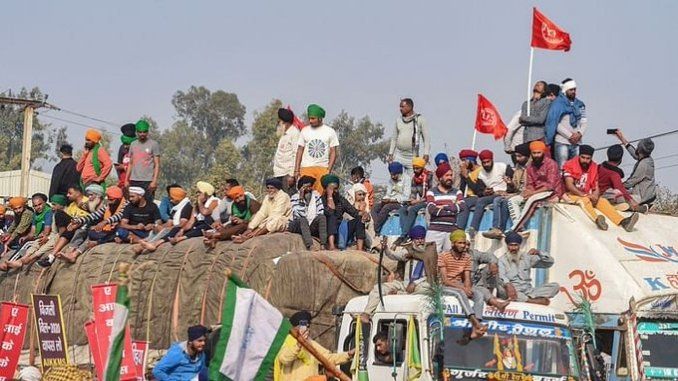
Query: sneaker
[(643, 208), (493, 233), (629, 222), (45, 262), (600, 222)]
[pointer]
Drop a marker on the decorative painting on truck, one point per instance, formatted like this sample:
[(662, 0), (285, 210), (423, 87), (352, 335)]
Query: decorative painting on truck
[(649, 253)]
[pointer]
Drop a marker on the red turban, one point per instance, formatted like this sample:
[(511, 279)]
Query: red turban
[(442, 169), (486, 155), (467, 153)]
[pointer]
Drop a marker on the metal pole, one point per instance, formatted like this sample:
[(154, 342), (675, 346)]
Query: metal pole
[(26, 150), (529, 81)]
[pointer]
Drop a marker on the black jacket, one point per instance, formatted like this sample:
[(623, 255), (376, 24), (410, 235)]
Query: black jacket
[(64, 175)]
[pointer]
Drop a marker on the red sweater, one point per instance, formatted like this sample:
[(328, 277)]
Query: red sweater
[(609, 179)]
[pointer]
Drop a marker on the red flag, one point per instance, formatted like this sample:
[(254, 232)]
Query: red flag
[(488, 120), (296, 121), (547, 35)]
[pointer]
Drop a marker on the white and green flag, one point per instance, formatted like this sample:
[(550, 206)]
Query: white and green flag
[(252, 333), (114, 355)]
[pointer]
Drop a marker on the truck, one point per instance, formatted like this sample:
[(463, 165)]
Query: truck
[(523, 340)]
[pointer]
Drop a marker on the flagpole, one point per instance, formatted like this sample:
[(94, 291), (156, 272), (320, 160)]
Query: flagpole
[(473, 142), (327, 364), (529, 80)]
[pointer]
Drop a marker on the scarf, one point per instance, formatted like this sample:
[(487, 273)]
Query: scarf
[(176, 217), (560, 107), (96, 164), (39, 219), (312, 207), (303, 356), (415, 133), (246, 214), (613, 168), (200, 216), (422, 178), (127, 140)]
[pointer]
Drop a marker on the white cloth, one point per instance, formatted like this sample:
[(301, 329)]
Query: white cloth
[(317, 143), (286, 153), (495, 178), (176, 219), (215, 212)]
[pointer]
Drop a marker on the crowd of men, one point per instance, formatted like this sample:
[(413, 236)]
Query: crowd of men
[(550, 163)]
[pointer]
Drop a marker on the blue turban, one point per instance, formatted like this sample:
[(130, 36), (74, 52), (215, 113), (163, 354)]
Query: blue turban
[(441, 157), (513, 237), (395, 168), (417, 232)]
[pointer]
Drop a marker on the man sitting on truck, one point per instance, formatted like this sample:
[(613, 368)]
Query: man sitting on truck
[(515, 267), (412, 257), (485, 279)]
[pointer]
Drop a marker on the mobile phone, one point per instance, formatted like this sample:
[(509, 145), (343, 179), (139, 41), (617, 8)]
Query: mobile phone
[(612, 131)]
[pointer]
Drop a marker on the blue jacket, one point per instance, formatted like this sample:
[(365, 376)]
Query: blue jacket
[(560, 107), (178, 366), (165, 209)]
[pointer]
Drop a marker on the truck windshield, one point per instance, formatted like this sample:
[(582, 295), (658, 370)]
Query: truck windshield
[(659, 341), (508, 346)]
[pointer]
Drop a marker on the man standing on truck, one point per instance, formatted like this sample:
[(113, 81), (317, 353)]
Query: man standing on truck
[(294, 362), (412, 257), (515, 267)]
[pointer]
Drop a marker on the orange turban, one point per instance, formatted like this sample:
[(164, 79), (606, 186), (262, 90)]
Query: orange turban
[(177, 194), (537, 146), (235, 192), (17, 202), (93, 135), (114, 193), (2, 209), (418, 162)]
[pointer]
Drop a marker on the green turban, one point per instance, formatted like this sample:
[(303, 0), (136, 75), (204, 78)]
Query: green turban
[(127, 140), (59, 199), (316, 111), (142, 126), (329, 179), (458, 235)]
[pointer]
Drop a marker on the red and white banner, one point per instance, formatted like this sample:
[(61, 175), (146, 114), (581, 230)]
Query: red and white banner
[(91, 332), (488, 120), (13, 321), (139, 349), (103, 305), (547, 35)]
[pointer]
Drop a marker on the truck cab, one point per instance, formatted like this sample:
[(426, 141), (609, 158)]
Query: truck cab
[(524, 340)]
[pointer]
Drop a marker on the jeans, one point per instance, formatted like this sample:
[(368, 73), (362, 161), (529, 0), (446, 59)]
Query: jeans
[(564, 152), (462, 217), (500, 213), (408, 215), (381, 211), (479, 211)]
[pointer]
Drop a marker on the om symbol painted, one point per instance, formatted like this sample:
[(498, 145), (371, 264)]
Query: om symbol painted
[(588, 286)]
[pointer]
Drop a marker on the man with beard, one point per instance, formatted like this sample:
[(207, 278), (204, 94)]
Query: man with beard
[(178, 223), (543, 182), (308, 213), (273, 216), (316, 148), (184, 360), (283, 160), (468, 184), (242, 207), (40, 236), (515, 268), (78, 228), (581, 185), (566, 123), (413, 257), (140, 218), (485, 278), (455, 275), (641, 182), (443, 204), (410, 140), (144, 162), (610, 182), (95, 164), (539, 109), (493, 181)]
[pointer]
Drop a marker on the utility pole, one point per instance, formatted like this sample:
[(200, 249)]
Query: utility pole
[(29, 109)]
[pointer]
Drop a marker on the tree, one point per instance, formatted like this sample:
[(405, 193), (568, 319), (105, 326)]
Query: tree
[(182, 155), (258, 153), (228, 161), (667, 202), (11, 134), (360, 142)]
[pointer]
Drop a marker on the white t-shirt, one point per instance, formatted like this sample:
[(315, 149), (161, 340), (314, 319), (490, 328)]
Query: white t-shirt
[(317, 143)]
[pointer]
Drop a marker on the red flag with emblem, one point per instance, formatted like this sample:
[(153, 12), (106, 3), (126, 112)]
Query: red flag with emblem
[(488, 120), (547, 35)]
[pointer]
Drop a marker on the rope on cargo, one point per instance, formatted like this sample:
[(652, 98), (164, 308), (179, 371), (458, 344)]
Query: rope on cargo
[(326, 261), (149, 304), (175, 307)]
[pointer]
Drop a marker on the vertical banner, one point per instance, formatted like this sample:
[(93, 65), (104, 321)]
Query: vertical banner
[(49, 322), (91, 332), (139, 349), (13, 321), (103, 306)]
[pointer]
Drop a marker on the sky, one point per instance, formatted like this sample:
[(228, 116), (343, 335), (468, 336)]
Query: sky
[(119, 60)]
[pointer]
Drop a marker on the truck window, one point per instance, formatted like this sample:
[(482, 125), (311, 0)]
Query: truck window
[(395, 331)]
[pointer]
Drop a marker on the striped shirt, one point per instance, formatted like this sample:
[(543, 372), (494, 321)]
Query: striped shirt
[(300, 209), (453, 267), (443, 208), (98, 215)]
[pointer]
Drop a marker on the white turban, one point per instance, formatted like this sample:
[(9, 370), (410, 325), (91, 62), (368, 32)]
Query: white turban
[(569, 85), (137, 190)]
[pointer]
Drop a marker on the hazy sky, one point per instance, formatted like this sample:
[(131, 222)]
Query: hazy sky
[(119, 60)]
